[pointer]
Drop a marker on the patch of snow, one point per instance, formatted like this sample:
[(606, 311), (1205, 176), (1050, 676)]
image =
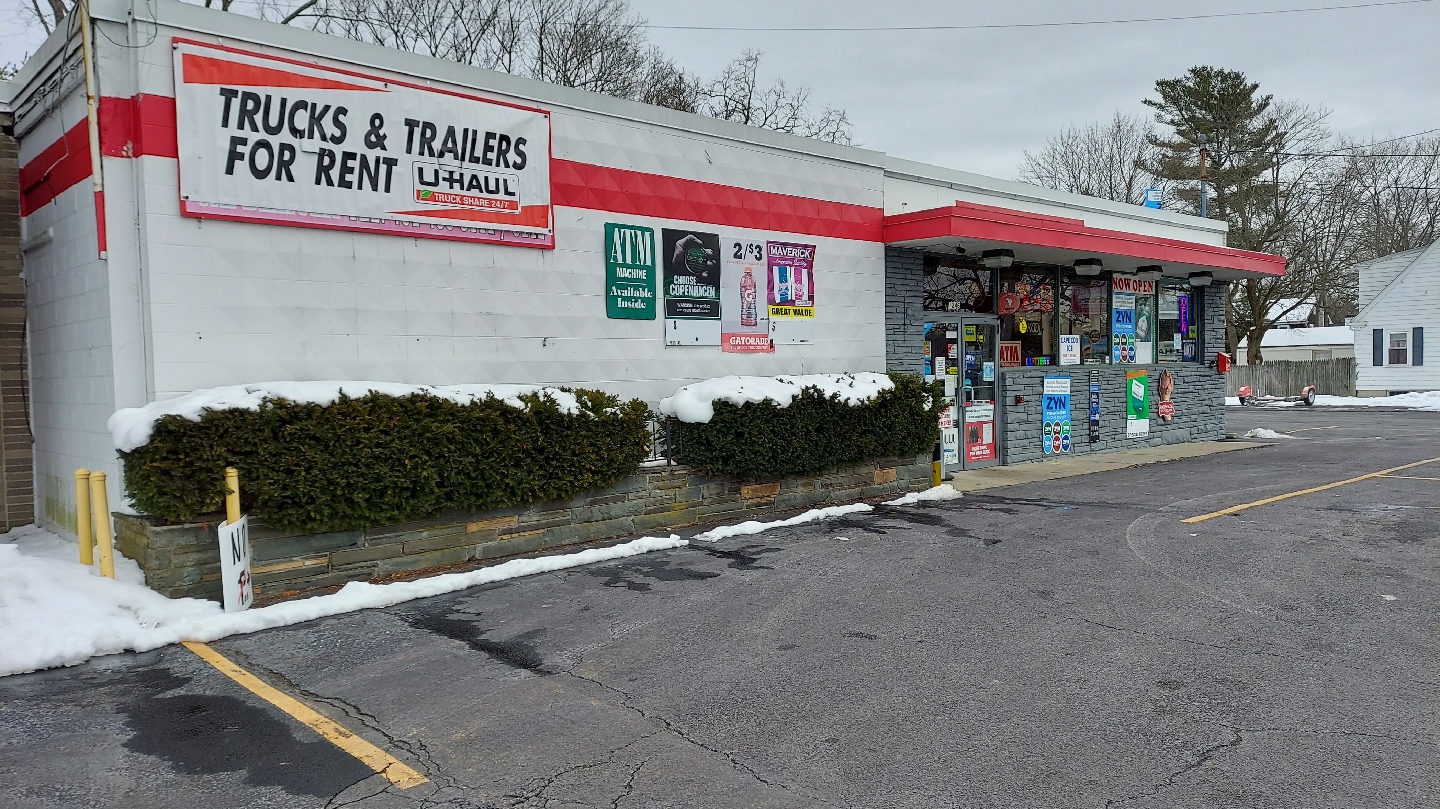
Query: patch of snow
[(1261, 432), (1429, 401), (1232, 401), (56, 612), (130, 427), (755, 526), (1389, 598), (695, 404), (942, 492)]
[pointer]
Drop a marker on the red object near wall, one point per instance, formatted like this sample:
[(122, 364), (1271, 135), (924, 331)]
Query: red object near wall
[(1222, 362)]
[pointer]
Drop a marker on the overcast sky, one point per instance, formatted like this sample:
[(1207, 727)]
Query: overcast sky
[(976, 100)]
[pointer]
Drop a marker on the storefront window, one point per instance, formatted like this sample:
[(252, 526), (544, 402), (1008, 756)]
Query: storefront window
[(954, 285), (1085, 312), (1176, 332), (1026, 304), (1132, 320)]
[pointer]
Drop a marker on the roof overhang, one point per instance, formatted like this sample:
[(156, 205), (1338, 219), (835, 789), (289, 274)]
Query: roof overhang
[(1056, 240)]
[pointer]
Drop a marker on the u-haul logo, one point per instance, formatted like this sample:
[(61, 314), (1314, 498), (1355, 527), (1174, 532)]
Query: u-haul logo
[(460, 186)]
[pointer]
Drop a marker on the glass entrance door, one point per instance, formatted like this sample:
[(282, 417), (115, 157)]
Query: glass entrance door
[(978, 369)]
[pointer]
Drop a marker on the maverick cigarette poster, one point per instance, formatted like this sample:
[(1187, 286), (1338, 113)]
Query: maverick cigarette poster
[(692, 287), (744, 290), (791, 296)]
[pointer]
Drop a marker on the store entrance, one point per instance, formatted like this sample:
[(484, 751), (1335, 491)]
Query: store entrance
[(978, 370)]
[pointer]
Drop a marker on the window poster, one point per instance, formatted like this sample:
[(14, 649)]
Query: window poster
[(1010, 354), (1069, 349), (979, 432), (692, 287), (1056, 415), (744, 290), (1137, 404), (1122, 328), (791, 293)]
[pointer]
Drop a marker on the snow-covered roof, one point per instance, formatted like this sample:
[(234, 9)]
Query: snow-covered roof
[(1319, 336), (1299, 314)]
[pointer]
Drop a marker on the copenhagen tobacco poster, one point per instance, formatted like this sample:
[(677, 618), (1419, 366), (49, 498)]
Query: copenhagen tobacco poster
[(740, 293), (271, 140), (692, 287)]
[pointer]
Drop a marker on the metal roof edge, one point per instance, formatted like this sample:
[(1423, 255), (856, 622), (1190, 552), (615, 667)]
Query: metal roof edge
[(901, 168), (249, 30)]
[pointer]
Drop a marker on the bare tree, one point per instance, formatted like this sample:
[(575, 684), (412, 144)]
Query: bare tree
[(738, 96), (1104, 160), (49, 22), (1397, 187)]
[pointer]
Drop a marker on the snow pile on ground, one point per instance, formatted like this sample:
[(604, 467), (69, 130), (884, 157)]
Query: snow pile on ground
[(1261, 432), (1232, 401), (1428, 401), (695, 403), (939, 493), (130, 428), (56, 612), (755, 526)]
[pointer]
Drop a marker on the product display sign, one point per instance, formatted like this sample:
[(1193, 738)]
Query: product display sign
[(1069, 349), (1056, 415), (1094, 406), (235, 584), (629, 272), (1122, 328), (692, 287), (791, 296), (285, 142), (979, 432), (1137, 404), (744, 288), (1165, 407)]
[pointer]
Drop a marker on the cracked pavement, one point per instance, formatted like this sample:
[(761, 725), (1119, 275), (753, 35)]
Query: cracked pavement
[(1060, 644)]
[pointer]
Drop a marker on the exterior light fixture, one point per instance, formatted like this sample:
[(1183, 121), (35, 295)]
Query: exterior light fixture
[(997, 259), (1089, 266), (1201, 279), (1150, 273)]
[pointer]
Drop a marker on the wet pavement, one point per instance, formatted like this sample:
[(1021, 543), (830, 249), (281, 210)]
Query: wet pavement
[(1066, 643)]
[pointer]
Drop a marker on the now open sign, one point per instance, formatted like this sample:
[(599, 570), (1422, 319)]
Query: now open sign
[(235, 581)]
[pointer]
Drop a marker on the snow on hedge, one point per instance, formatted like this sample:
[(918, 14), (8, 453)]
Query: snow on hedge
[(695, 403), (131, 427), (55, 611)]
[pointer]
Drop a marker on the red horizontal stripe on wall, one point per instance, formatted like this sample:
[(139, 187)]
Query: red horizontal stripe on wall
[(140, 125), (597, 188), (59, 166)]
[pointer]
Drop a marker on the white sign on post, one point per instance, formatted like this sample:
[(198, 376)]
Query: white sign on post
[(950, 446), (235, 564)]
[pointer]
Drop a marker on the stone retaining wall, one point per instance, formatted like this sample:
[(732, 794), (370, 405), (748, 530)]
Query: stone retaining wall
[(183, 559)]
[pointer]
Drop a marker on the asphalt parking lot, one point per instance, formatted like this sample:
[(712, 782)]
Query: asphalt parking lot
[(1063, 644)]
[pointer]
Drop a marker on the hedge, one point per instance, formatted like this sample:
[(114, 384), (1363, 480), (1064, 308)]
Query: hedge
[(763, 441), (380, 460)]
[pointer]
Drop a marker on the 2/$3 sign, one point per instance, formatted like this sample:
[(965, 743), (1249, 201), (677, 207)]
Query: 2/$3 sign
[(270, 140)]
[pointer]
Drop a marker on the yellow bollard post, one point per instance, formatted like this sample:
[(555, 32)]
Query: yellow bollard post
[(232, 495), (100, 504), (936, 476), (83, 523)]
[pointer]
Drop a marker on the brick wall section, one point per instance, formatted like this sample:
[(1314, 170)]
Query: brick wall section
[(904, 310), (184, 560), (1199, 399), (17, 467)]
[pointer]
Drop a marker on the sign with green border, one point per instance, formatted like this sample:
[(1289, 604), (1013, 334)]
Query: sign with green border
[(629, 272)]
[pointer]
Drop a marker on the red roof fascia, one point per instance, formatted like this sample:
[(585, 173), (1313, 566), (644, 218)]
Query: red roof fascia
[(984, 222)]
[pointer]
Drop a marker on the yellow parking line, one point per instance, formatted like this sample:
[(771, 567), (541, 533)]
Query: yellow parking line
[(1407, 477), (1233, 509), (373, 757), (1308, 429)]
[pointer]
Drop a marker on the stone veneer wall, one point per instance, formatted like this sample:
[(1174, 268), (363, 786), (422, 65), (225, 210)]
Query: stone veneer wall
[(904, 310), (184, 560)]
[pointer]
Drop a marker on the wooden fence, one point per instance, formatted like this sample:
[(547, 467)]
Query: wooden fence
[(1289, 377)]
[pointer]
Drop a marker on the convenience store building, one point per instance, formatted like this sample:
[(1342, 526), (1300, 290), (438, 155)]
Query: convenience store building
[(250, 202)]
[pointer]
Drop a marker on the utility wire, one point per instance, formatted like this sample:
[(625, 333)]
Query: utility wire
[(992, 26)]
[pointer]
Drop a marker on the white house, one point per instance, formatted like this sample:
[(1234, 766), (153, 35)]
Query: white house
[(1399, 300), (1308, 343)]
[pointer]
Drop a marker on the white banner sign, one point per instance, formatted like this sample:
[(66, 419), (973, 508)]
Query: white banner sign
[(265, 139), (235, 564)]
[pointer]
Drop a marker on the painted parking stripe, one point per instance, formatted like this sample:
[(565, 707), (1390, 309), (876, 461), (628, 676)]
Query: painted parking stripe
[(1233, 509), (1308, 429), (371, 756)]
